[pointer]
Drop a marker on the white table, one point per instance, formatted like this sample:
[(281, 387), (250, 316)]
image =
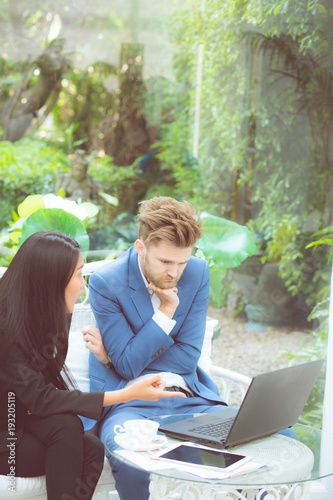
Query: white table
[(292, 465), (290, 462)]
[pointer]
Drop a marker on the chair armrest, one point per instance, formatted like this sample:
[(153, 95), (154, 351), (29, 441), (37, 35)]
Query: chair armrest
[(90, 267), (232, 385)]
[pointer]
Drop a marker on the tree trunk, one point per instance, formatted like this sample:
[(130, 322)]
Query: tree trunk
[(23, 106)]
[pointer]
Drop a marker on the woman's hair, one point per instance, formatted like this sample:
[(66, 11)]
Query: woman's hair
[(166, 219), (33, 312)]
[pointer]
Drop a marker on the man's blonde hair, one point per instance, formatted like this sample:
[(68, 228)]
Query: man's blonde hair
[(166, 219)]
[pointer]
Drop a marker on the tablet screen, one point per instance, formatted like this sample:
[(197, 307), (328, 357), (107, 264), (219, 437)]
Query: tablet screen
[(200, 456)]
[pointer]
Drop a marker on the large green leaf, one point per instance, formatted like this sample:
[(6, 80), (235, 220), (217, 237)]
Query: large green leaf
[(31, 204), (217, 273), (224, 242), (56, 219)]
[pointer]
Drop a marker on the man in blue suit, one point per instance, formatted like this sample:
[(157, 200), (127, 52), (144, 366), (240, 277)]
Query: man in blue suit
[(150, 305)]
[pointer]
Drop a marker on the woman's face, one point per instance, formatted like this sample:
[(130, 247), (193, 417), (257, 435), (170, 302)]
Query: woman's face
[(74, 288)]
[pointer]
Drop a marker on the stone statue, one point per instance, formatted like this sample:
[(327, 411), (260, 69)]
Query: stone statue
[(78, 185)]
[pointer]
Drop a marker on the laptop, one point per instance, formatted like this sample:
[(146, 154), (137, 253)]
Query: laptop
[(273, 401)]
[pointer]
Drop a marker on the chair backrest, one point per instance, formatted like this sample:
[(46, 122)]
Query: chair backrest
[(87, 270), (77, 359)]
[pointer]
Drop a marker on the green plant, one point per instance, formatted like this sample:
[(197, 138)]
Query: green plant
[(265, 119), (71, 143), (179, 169), (323, 237), (224, 244), (303, 270), (26, 167), (312, 413), (109, 175), (117, 236), (313, 410), (82, 105), (56, 219), (117, 183), (50, 212)]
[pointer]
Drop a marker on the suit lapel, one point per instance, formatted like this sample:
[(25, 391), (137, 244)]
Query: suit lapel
[(139, 295)]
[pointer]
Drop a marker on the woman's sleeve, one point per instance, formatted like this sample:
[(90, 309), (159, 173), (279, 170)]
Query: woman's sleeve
[(45, 399)]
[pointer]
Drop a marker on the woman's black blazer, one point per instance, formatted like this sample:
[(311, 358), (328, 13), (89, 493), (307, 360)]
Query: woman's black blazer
[(24, 392)]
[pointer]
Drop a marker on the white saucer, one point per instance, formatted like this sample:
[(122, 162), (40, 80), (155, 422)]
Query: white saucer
[(130, 444)]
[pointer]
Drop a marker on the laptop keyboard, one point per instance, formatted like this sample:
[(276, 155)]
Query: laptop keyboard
[(217, 429)]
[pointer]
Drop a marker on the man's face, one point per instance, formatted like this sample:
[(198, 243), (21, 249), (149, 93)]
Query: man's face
[(162, 264)]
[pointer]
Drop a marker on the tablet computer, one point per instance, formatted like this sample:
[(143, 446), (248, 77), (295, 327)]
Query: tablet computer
[(204, 457)]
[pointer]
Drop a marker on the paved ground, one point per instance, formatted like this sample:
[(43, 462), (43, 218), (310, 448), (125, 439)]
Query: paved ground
[(251, 352)]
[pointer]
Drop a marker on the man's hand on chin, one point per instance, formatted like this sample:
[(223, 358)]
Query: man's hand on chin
[(168, 297)]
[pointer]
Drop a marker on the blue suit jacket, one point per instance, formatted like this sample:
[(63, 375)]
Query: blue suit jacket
[(135, 343)]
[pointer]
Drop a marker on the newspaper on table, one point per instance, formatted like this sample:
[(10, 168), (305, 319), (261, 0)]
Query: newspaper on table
[(153, 460)]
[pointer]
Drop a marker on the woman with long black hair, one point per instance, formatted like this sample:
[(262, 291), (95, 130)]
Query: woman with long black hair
[(38, 412)]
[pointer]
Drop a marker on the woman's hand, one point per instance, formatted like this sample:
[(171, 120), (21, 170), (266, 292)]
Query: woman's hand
[(93, 339), (147, 389), (150, 389)]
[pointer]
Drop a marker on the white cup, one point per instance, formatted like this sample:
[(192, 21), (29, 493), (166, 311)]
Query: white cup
[(138, 434)]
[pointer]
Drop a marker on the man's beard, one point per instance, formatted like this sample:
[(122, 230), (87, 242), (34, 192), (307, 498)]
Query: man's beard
[(164, 285), (160, 281)]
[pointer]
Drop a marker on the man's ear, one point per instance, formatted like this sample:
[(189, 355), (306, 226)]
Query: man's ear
[(139, 246)]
